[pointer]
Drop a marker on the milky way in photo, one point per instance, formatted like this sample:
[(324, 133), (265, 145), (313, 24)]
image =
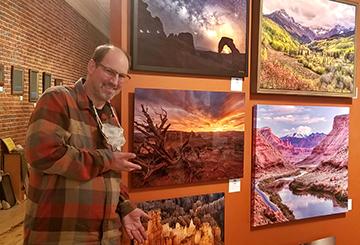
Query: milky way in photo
[(206, 20)]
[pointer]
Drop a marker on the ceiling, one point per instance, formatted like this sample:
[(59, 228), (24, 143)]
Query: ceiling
[(97, 12)]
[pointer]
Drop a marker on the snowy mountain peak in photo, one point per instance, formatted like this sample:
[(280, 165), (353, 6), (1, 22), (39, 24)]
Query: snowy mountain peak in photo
[(304, 140), (299, 135), (320, 31), (337, 30), (299, 32), (282, 13), (306, 34)]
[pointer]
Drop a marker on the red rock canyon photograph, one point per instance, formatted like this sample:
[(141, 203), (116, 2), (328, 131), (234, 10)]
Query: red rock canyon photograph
[(300, 162)]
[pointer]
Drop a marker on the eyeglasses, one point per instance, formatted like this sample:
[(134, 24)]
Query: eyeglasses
[(112, 73)]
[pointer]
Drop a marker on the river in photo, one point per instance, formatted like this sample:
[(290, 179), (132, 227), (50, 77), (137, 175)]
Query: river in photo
[(305, 206), (266, 199)]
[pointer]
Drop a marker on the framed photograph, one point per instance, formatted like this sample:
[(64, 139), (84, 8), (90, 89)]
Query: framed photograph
[(2, 75), (17, 80), (303, 52), (300, 162), (33, 86), (58, 82), (190, 37), (46, 82), (200, 219), (184, 137)]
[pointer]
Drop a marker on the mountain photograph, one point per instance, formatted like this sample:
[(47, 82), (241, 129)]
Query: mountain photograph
[(203, 37), (300, 162), (184, 136), (302, 52)]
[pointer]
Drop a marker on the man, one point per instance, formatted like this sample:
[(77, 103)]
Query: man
[(73, 146)]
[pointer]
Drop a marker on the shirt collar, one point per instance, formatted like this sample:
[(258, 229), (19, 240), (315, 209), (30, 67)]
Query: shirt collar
[(82, 99)]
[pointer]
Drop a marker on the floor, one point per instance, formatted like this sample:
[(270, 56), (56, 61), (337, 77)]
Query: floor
[(11, 229)]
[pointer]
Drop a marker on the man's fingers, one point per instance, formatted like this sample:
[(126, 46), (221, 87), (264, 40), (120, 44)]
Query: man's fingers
[(127, 155), (143, 233), (132, 166), (145, 215), (124, 165), (138, 236), (129, 234)]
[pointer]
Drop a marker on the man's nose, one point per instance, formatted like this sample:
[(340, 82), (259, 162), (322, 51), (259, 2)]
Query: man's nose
[(116, 81), (115, 78)]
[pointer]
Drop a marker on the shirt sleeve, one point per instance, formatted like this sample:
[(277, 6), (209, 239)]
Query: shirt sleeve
[(46, 149), (124, 205)]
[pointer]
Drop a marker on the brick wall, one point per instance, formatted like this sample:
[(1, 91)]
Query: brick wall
[(46, 36)]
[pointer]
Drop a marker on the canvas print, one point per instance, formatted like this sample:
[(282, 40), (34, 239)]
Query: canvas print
[(304, 52), (187, 220), (300, 162), (183, 137), (204, 37)]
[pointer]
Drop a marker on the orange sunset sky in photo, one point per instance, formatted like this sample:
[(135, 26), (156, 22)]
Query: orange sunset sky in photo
[(197, 111)]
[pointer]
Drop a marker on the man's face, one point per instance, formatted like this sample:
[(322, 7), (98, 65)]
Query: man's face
[(106, 77)]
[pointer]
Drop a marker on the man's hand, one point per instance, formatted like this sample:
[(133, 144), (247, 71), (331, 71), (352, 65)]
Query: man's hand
[(121, 162), (133, 225)]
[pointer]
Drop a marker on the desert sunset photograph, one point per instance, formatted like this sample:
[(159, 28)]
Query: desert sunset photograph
[(183, 137)]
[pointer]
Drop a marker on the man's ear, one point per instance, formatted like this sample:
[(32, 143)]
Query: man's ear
[(91, 66)]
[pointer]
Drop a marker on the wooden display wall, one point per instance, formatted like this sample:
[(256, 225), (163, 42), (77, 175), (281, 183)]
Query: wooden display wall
[(344, 227)]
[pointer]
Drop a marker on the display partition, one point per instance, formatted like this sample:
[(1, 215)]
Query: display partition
[(246, 223)]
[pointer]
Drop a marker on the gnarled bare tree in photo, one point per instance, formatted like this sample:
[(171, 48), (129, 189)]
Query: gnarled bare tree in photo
[(152, 154)]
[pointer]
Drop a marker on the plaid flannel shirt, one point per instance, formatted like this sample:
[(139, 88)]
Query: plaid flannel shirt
[(72, 196)]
